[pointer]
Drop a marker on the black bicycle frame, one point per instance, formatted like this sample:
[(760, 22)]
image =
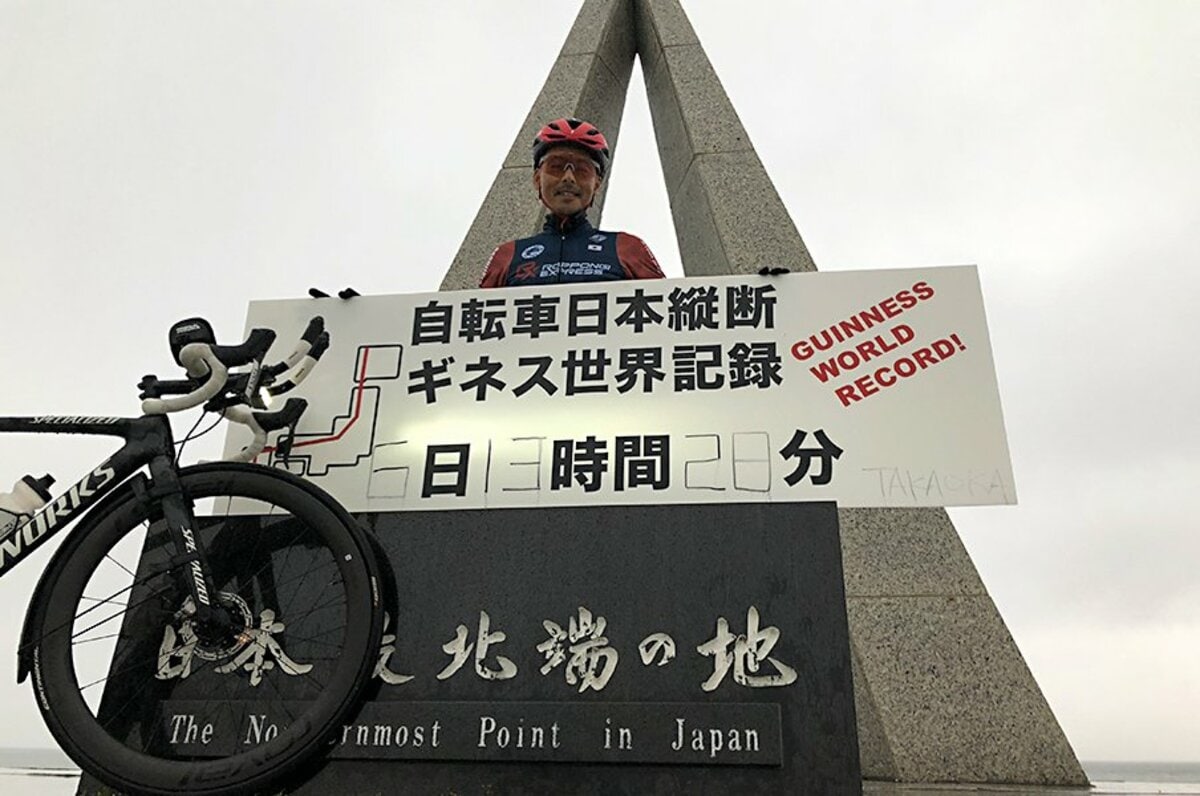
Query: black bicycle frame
[(148, 442)]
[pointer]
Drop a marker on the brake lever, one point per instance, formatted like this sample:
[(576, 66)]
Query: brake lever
[(284, 421), (283, 443)]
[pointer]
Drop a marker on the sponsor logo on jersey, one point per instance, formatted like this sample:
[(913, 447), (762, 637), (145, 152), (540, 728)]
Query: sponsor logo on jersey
[(595, 247), (532, 251), (598, 238), (575, 269)]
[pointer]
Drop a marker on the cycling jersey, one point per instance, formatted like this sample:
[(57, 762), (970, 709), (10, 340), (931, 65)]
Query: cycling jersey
[(570, 250)]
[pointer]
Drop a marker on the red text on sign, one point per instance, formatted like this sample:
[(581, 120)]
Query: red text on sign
[(865, 351), (861, 321), (905, 367)]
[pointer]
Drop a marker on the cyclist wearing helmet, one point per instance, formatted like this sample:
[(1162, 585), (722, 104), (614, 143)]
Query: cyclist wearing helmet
[(570, 158)]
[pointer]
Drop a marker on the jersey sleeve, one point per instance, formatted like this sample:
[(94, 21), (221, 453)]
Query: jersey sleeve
[(636, 259), (496, 270)]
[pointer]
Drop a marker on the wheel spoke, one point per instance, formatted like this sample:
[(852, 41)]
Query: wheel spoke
[(114, 616), (119, 564), (98, 638)]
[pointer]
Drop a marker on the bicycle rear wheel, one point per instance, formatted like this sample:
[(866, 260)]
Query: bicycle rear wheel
[(149, 699)]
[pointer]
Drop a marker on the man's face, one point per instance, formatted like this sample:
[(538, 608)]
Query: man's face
[(566, 180)]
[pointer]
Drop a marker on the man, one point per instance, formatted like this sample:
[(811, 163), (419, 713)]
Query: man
[(570, 158)]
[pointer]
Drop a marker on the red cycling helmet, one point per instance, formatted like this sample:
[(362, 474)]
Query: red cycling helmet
[(572, 132)]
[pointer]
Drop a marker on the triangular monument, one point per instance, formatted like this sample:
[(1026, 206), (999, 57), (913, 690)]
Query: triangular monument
[(941, 690)]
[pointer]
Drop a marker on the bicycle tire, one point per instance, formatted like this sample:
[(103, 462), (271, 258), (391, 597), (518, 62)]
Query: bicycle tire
[(128, 736)]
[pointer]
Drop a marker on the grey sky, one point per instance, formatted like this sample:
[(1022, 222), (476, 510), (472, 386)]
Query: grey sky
[(164, 160)]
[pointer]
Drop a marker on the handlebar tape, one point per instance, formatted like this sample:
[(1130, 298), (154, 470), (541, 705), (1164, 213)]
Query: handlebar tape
[(313, 333), (261, 423), (200, 360)]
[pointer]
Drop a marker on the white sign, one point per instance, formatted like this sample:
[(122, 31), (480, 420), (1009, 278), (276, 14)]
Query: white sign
[(869, 388)]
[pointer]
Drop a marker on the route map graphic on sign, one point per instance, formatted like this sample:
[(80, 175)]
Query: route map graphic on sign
[(349, 438)]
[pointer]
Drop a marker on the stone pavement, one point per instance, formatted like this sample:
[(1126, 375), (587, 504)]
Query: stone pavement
[(1098, 789)]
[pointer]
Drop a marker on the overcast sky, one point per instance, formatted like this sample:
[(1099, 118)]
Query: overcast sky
[(160, 160)]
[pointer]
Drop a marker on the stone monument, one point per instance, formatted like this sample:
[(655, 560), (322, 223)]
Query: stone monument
[(941, 690)]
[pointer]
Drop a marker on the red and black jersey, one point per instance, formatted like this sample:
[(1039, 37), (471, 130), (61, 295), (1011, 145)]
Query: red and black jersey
[(570, 250)]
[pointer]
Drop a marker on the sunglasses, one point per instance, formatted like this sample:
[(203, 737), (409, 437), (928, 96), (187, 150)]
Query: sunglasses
[(556, 166)]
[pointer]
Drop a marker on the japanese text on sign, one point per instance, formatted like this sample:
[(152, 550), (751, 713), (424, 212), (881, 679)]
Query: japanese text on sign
[(869, 388)]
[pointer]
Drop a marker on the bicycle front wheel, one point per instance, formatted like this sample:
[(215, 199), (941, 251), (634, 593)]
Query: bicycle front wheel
[(148, 696)]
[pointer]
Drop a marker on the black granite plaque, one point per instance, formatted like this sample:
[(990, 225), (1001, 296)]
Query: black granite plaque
[(649, 572), (658, 649)]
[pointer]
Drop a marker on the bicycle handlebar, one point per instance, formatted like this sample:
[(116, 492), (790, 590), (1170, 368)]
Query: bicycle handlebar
[(306, 364), (314, 332), (210, 381), (263, 423), (193, 356), (253, 350)]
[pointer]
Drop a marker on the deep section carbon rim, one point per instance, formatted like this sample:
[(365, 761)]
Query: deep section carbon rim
[(148, 696)]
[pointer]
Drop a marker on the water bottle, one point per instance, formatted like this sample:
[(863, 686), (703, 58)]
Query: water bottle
[(28, 495)]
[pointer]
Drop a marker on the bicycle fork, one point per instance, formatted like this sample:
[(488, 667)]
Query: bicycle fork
[(178, 514)]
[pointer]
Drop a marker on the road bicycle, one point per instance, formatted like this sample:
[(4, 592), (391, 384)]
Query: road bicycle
[(190, 606)]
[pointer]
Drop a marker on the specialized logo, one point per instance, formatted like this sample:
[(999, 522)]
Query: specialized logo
[(189, 544), (21, 540), (77, 419), (526, 271), (532, 251)]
